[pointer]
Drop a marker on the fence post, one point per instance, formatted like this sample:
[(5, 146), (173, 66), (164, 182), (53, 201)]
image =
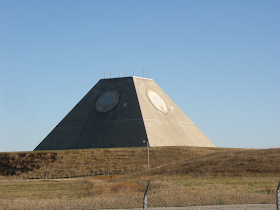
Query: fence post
[(145, 201), (278, 197)]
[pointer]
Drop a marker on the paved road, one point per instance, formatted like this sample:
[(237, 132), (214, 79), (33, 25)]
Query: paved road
[(219, 207)]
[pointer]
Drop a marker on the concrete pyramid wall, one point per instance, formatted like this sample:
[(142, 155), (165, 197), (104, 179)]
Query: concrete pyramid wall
[(122, 112), (166, 124)]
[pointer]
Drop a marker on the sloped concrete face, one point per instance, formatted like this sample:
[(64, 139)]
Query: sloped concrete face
[(165, 123), (122, 112), (108, 116)]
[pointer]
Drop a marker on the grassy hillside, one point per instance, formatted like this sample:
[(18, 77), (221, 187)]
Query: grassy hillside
[(189, 174), (224, 163), (165, 161)]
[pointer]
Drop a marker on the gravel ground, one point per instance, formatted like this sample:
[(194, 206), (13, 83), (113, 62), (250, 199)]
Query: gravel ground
[(219, 207)]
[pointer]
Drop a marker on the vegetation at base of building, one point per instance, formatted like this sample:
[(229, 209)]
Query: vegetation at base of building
[(97, 186), (167, 161), (213, 176)]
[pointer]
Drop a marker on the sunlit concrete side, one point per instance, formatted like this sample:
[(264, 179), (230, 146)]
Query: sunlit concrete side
[(166, 128)]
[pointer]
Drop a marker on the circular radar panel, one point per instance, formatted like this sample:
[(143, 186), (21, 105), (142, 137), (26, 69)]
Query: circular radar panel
[(157, 101), (107, 101)]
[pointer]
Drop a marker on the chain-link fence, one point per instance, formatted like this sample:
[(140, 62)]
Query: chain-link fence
[(129, 195), (118, 201), (62, 175), (278, 197)]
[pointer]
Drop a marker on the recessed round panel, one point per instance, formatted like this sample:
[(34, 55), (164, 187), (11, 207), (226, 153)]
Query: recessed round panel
[(107, 101), (157, 101)]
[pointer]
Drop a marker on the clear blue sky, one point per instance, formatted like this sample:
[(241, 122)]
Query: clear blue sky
[(218, 60)]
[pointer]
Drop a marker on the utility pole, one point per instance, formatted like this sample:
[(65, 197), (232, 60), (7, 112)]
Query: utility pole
[(148, 145)]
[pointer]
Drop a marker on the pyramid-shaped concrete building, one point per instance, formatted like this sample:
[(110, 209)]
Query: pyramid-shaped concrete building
[(122, 112)]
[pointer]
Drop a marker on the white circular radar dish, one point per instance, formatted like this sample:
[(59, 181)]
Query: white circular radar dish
[(107, 101), (157, 101)]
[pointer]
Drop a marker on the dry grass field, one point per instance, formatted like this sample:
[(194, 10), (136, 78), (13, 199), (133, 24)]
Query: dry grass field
[(241, 174), (190, 161), (98, 161), (101, 185)]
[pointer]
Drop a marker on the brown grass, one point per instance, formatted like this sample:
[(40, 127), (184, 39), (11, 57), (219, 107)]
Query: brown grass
[(126, 187), (164, 161), (228, 163), (237, 174), (97, 161), (110, 193), (41, 189)]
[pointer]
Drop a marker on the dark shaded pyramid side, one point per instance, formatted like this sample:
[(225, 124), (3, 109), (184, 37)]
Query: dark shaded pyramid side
[(108, 115)]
